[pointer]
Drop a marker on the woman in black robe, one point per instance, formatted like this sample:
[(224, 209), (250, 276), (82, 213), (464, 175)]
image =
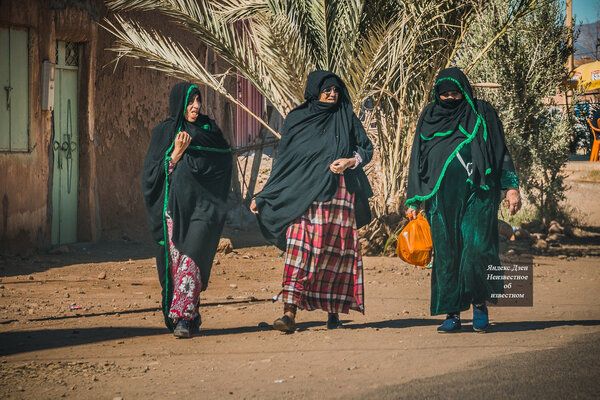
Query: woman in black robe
[(315, 200), (185, 183), (459, 164)]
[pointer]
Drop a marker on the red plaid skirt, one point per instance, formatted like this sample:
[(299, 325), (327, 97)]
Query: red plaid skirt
[(323, 263)]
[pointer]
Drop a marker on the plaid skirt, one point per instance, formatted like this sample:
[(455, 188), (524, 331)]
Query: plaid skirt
[(323, 263)]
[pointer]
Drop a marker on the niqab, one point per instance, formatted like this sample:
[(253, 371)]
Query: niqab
[(444, 127)]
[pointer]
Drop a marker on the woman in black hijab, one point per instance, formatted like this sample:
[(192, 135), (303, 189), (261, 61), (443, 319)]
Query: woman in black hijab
[(315, 200), (458, 167), (185, 183)]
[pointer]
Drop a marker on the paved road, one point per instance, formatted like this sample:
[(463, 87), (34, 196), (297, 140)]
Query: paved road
[(571, 372)]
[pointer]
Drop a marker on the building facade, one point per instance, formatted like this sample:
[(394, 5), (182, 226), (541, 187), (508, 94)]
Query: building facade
[(75, 126)]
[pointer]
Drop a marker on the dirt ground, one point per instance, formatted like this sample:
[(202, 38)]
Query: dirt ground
[(66, 330)]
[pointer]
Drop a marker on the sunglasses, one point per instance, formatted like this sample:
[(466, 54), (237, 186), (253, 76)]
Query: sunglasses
[(330, 90)]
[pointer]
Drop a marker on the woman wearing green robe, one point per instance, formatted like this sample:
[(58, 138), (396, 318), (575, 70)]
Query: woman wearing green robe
[(459, 165)]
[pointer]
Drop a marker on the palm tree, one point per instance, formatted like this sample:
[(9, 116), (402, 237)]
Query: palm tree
[(387, 52)]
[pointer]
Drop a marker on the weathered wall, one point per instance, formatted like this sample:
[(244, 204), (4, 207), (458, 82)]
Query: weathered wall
[(130, 101), (118, 107), (24, 176)]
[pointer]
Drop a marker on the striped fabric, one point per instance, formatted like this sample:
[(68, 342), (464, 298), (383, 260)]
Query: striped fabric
[(323, 263)]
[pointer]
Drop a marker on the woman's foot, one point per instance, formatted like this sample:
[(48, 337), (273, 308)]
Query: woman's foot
[(451, 324), (182, 329), (481, 320), (285, 324), (195, 324), (333, 321)]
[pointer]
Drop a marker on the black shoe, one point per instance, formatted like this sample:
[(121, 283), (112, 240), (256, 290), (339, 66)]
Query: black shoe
[(284, 324), (195, 324), (333, 322), (182, 330)]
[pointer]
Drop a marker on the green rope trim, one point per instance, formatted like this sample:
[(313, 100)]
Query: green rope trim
[(488, 171), (228, 150), (439, 182), (470, 137), (436, 134), (484, 187), (509, 179), (166, 233), (166, 202)]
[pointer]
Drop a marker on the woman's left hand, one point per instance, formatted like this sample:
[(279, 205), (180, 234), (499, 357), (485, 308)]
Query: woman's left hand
[(341, 164), (513, 200), (253, 208)]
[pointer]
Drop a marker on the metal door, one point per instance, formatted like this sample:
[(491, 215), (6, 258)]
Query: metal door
[(65, 144)]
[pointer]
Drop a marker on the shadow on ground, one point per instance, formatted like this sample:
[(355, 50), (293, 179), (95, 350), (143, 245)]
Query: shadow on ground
[(522, 326), (565, 373), (78, 253), (105, 251), (25, 341)]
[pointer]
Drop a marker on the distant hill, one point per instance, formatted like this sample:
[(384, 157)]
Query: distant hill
[(586, 43)]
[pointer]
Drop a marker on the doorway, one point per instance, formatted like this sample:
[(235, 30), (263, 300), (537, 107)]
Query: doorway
[(65, 144)]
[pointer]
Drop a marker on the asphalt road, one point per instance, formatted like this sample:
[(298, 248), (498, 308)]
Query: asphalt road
[(571, 372)]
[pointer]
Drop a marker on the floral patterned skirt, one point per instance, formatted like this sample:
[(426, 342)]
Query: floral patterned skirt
[(186, 282)]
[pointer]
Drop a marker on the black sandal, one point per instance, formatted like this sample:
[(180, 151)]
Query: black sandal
[(284, 324)]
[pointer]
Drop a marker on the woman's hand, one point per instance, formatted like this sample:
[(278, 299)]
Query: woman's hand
[(182, 141), (411, 213), (253, 208), (342, 164), (513, 200)]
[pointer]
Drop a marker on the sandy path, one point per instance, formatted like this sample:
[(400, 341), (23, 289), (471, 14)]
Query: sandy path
[(115, 344), (130, 355)]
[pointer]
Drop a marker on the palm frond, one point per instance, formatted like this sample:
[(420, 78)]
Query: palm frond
[(388, 51), (167, 56), (201, 19)]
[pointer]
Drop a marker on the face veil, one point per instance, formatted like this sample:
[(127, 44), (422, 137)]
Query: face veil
[(444, 128)]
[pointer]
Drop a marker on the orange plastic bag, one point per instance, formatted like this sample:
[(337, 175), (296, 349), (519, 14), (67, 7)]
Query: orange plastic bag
[(414, 242)]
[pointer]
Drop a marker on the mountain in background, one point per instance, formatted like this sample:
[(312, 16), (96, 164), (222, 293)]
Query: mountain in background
[(587, 43)]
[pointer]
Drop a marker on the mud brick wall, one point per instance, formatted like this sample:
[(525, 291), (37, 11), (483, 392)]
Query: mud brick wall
[(130, 102), (118, 107)]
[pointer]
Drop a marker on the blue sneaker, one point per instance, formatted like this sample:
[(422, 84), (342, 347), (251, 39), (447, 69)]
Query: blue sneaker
[(451, 324), (480, 318)]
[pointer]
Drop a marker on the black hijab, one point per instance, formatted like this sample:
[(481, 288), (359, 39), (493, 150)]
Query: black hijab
[(204, 133), (445, 126), (314, 135), (195, 193)]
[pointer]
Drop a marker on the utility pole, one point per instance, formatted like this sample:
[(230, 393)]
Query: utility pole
[(570, 65), (569, 24)]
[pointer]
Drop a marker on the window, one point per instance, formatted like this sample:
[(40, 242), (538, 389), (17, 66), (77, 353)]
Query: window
[(14, 89)]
